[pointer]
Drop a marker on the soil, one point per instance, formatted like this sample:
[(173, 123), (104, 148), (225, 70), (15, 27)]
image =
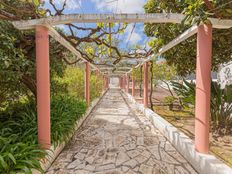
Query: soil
[(220, 145)]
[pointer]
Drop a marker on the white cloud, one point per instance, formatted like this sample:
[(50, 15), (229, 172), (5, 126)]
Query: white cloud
[(70, 4), (120, 6), (133, 38)]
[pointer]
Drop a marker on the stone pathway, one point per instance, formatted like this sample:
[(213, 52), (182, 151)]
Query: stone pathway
[(118, 139)]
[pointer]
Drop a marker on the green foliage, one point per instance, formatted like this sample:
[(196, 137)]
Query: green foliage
[(19, 149), (220, 103), (161, 70), (66, 110), (17, 64), (183, 56), (221, 106), (96, 86), (164, 72), (73, 80), (185, 92), (169, 100), (12, 63), (73, 83)]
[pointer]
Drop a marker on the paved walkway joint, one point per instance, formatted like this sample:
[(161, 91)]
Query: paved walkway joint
[(116, 138)]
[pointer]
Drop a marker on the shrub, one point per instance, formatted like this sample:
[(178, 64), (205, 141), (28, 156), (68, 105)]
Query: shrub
[(220, 103), (19, 149), (66, 110), (221, 107), (185, 92), (169, 100), (73, 79)]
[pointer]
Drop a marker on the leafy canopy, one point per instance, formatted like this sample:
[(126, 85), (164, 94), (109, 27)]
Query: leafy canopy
[(183, 56)]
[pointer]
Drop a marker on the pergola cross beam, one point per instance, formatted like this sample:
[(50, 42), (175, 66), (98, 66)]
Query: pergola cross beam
[(114, 18), (182, 37), (55, 35)]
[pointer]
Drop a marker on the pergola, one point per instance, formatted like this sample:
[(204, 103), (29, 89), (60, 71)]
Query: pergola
[(44, 28)]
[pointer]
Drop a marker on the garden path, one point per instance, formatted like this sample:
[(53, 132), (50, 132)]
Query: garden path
[(116, 138)]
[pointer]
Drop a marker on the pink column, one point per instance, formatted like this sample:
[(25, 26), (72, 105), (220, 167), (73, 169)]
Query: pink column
[(133, 86), (121, 82), (127, 83), (145, 85), (43, 86), (203, 85), (103, 80), (124, 83), (87, 83), (97, 72), (107, 82)]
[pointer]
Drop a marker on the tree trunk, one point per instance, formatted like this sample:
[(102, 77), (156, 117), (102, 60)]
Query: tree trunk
[(29, 83)]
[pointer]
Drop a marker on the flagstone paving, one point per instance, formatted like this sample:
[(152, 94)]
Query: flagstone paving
[(116, 138)]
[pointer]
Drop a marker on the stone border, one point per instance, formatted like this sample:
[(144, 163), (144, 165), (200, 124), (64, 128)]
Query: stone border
[(54, 152), (202, 163)]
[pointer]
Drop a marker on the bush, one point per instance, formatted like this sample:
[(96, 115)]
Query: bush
[(73, 80), (169, 100), (221, 107), (19, 149), (66, 110), (185, 92), (220, 103)]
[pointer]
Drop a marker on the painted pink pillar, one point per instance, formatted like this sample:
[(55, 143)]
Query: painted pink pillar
[(107, 82), (87, 83), (97, 72), (145, 85), (122, 83), (127, 83), (133, 86), (43, 86), (103, 80), (203, 86)]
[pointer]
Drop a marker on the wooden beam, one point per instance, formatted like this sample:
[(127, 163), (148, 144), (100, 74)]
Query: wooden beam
[(55, 35), (95, 18), (113, 18), (188, 33)]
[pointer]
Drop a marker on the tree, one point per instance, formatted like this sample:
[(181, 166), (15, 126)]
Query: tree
[(183, 56), (17, 54), (103, 36)]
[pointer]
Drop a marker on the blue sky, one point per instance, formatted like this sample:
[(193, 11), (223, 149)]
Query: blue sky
[(109, 6)]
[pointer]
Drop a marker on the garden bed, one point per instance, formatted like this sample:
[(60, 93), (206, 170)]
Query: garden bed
[(19, 149), (220, 145)]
